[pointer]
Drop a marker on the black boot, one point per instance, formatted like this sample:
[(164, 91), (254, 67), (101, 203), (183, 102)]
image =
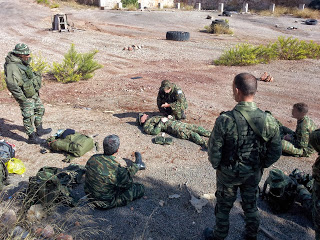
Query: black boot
[(41, 131), (139, 162), (34, 139), (208, 234)]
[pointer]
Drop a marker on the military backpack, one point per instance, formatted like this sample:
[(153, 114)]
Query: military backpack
[(6, 153), (76, 144), (54, 185)]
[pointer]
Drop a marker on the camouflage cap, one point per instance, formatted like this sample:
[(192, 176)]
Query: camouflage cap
[(166, 84), (22, 49), (277, 179), (315, 140)]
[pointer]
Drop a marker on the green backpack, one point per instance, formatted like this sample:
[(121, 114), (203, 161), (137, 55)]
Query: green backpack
[(76, 144), (53, 185)]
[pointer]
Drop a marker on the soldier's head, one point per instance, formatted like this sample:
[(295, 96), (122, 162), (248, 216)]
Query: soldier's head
[(315, 140), (22, 51), (166, 85), (244, 87), (142, 118), (299, 110), (111, 144)]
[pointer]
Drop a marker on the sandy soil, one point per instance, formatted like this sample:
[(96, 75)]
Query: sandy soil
[(109, 103)]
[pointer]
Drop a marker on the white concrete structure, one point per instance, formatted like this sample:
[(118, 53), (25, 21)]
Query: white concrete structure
[(301, 6), (119, 5), (245, 7), (198, 6), (220, 8), (272, 7), (178, 5), (160, 5)]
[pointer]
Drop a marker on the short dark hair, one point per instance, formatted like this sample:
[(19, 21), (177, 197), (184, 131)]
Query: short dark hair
[(301, 107), (111, 144), (246, 83)]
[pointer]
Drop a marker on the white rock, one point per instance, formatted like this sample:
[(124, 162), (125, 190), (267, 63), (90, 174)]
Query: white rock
[(35, 213)]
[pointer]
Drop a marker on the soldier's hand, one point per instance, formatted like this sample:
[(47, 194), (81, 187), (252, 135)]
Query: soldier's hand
[(165, 105), (287, 137), (164, 119)]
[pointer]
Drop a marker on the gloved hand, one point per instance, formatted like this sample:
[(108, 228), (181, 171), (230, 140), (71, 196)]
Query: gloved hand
[(139, 162)]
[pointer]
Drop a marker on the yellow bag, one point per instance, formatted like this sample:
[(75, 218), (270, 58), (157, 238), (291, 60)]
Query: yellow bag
[(15, 165)]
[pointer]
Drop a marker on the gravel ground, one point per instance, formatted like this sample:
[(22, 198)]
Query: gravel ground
[(110, 101)]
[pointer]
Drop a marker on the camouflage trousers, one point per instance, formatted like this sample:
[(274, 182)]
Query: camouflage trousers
[(121, 198), (188, 131), (290, 148), (226, 194), (316, 208), (32, 111), (178, 111)]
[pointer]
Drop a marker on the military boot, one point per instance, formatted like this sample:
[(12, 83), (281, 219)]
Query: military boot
[(208, 234), (139, 162), (34, 139), (41, 131)]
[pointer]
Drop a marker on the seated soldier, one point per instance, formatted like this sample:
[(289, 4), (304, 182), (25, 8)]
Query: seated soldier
[(157, 124), (171, 100), (106, 182), (297, 143)]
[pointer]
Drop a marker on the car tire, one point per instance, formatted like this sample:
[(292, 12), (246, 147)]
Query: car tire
[(178, 36), (220, 22), (311, 22)]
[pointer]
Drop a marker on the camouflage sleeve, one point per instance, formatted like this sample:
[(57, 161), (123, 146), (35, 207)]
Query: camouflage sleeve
[(181, 103), (153, 126), (159, 100), (306, 129), (124, 176), (216, 141), (274, 149), (13, 77)]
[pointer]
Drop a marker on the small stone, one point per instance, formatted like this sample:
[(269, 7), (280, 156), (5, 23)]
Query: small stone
[(35, 213), (9, 218), (62, 236), (124, 48), (161, 203), (77, 224), (48, 232), (130, 48), (17, 231), (38, 231)]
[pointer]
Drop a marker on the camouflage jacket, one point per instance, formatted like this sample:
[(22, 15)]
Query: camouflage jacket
[(304, 127), (20, 78), (225, 129), (105, 177), (316, 171), (175, 98)]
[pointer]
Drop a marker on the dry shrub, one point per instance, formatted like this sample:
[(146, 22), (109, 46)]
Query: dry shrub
[(306, 13), (131, 7), (280, 10)]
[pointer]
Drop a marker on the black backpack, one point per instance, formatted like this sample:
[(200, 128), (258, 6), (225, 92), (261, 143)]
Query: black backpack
[(6, 153)]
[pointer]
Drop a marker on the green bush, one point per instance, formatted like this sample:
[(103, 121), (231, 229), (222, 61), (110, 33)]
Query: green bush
[(284, 49), (130, 3), (38, 64), (75, 66)]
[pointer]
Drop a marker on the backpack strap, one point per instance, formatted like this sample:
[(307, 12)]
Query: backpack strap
[(252, 125)]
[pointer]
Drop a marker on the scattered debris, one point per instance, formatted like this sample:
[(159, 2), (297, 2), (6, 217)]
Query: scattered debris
[(208, 196), (209, 17), (161, 203), (133, 47), (198, 203), (174, 196), (136, 77), (291, 28)]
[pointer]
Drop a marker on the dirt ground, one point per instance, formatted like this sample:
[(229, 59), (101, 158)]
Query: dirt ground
[(109, 103)]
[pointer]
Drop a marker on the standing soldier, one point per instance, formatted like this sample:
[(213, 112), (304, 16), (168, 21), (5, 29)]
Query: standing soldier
[(297, 143), (107, 183), (24, 84), (171, 100), (243, 142), (157, 124), (315, 142)]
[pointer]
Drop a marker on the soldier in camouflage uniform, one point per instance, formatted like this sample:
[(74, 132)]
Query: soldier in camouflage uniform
[(157, 124), (243, 142), (315, 142), (171, 100), (297, 143), (24, 84), (107, 183)]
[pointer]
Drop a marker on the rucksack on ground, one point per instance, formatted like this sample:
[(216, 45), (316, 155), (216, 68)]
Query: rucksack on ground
[(75, 143), (279, 191), (53, 185), (6, 153)]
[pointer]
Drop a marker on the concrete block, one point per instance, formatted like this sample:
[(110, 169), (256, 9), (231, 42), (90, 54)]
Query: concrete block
[(160, 5), (272, 7), (198, 6), (178, 5), (301, 6), (220, 8), (245, 7), (119, 5)]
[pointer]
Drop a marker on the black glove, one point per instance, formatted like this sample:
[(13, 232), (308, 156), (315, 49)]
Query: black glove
[(139, 162)]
